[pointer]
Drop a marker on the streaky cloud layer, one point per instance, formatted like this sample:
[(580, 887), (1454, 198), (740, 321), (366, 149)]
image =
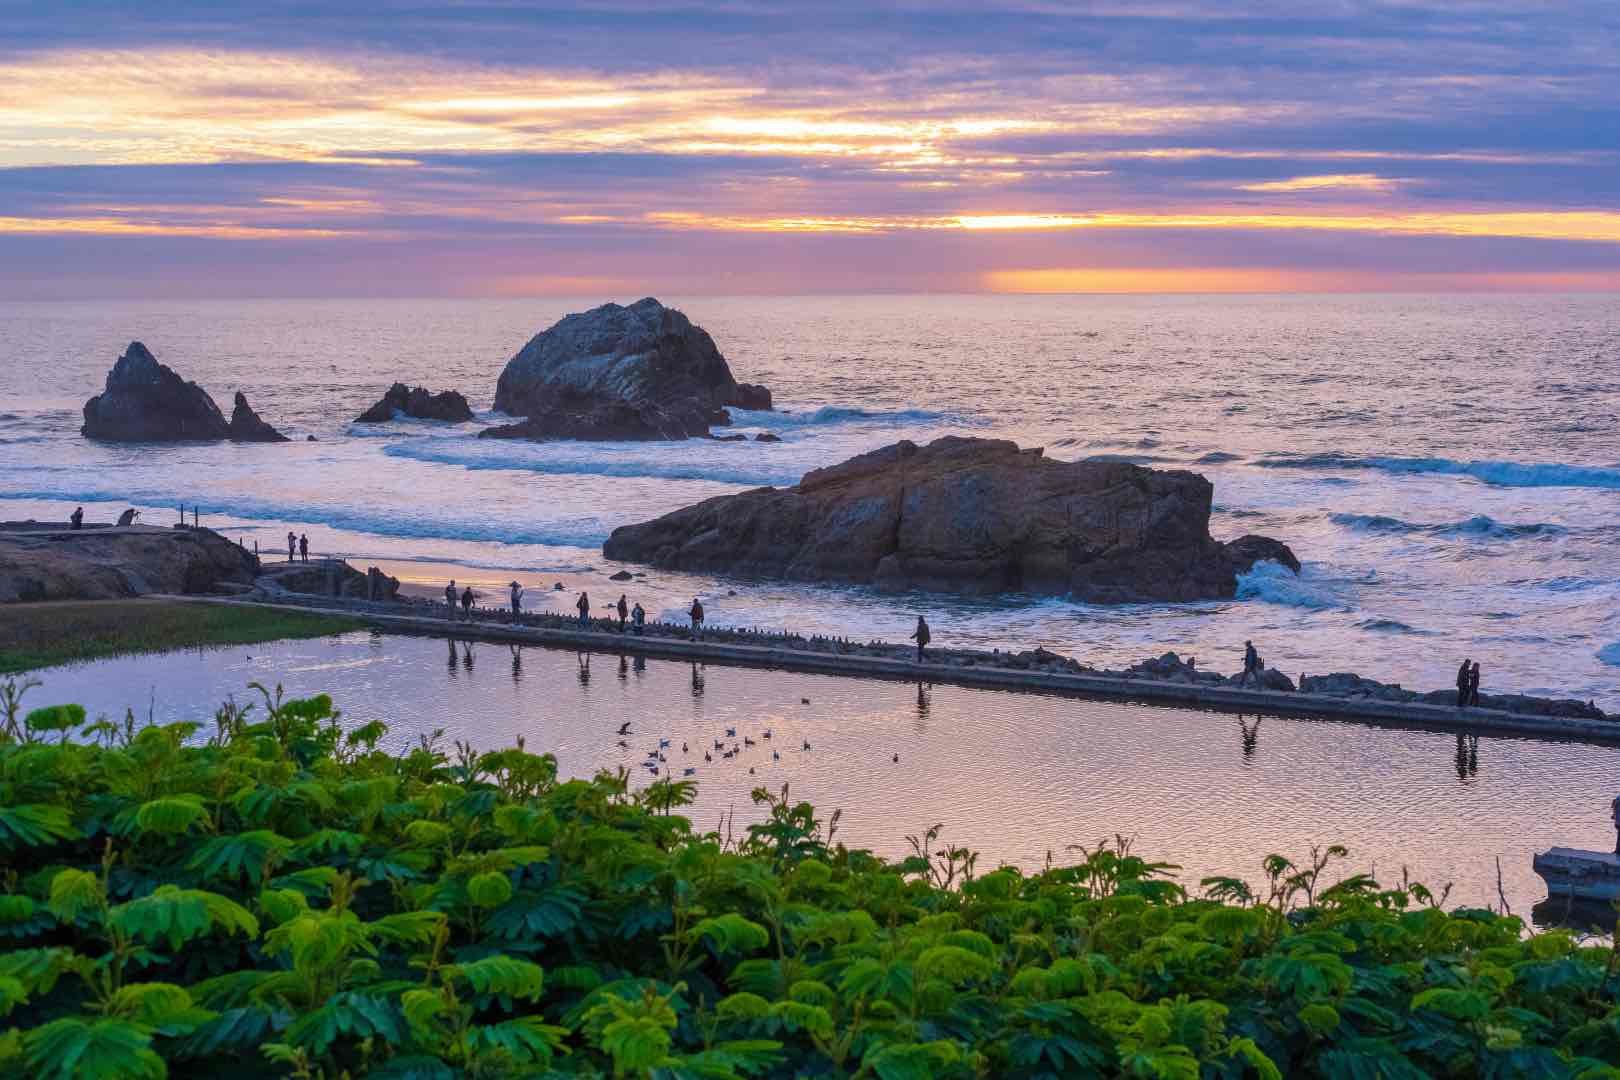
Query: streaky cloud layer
[(732, 147)]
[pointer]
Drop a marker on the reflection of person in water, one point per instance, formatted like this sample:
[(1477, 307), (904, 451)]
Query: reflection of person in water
[(1467, 756), (584, 661), (517, 662), (467, 656), (924, 701), (697, 680), (639, 664), (1250, 737), (455, 660), (624, 666)]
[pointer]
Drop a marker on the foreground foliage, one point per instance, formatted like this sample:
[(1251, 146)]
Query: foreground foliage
[(273, 896), (39, 635)]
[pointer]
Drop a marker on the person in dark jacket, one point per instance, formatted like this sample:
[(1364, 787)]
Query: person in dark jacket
[(303, 547), (292, 546), (1251, 665), (517, 598), (638, 618), (697, 618), (921, 636), (77, 517), (624, 611), (1463, 675), (467, 602), (583, 604), (1473, 685)]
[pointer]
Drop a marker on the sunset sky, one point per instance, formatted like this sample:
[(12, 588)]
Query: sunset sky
[(612, 147)]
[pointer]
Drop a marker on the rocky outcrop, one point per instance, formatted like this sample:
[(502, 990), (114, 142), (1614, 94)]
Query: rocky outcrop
[(638, 372), (326, 577), (245, 425), (54, 563), (965, 515), (145, 401), (419, 403)]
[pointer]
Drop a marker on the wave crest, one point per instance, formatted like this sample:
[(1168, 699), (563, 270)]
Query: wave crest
[(1499, 473)]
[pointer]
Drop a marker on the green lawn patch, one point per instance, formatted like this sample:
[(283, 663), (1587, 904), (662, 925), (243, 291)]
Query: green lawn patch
[(41, 635)]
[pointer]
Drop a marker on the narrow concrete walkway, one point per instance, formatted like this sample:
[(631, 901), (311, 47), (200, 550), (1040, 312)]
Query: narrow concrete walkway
[(1229, 699)]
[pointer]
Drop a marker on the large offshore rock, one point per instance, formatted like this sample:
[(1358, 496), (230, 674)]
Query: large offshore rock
[(246, 426), (419, 403), (145, 401), (582, 378), (965, 515)]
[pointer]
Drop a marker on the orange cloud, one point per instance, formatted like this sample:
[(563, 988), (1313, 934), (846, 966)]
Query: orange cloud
[(1332, 181), (1219, 279)]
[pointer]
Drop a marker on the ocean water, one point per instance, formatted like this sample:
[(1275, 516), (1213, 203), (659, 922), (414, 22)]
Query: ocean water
[(1017, 777), (1447, 467)]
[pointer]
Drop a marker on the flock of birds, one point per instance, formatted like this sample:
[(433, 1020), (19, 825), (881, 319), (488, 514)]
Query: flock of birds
[(657, 759)]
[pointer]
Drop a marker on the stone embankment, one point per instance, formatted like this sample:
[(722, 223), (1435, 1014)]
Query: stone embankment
[(1168, 679)]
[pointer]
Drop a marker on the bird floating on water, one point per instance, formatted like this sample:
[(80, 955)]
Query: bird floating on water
[(747, 741), (663, 744), (706, 756), (731, 733), (767, 733), (806, 745), (688, 772), (804, 701), (624, 744)]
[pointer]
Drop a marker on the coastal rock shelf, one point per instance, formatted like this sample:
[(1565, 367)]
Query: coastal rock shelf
[(52, 562), (966, 515), (638, 372), (145, 401)]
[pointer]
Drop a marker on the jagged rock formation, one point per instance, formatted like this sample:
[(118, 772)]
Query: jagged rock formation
[(54, 563), (145, 401), (966, 515), (638, 372), (420, 404), (326, 577), (245, 425)]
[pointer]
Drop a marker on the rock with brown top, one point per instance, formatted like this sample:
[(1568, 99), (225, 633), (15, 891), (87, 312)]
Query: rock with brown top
[(965, 515), (643, 371)]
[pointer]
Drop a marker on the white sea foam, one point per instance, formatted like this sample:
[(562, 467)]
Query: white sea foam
[(1610, 653), (1478, 526), (1500, 473), (1274, 583)]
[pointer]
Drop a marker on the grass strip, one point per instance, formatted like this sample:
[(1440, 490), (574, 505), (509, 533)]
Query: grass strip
[(42, 635)]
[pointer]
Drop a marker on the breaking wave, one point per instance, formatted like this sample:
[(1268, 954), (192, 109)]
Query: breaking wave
[(1610, 653), (834, 414), (662, 461), (1500, 473), (1276, 584)]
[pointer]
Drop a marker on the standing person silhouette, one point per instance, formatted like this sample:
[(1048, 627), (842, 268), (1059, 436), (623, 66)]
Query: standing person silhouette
[(450, 598), (1251, 665), (292, 546), (517, 598), (1473, 685), (921, 636), (624, 612), (697, 618), (303, 547), (584, 606), (1463, 675), (77, 517), (467, 602), (638, 618)]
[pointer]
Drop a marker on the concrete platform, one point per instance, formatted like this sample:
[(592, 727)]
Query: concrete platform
[(1471, 721), (1583, 875)]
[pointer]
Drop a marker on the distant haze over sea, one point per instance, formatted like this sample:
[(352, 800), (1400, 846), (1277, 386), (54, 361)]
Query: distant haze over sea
[(1447, 467)]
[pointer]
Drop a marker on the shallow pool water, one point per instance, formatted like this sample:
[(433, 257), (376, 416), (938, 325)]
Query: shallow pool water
[(1013, 775)]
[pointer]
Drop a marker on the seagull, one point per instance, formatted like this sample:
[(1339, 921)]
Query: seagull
[(804, 701), (652, 753), (775, 756), (688, 772), (897, 759), (747, 741), (767, 733), (718, 745), (706, 756), (750, 770), (731, 733), (683, 746), (624, 728), (806, 745), (624, 744), (663, 744)]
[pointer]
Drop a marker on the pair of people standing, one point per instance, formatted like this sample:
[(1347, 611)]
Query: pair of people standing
[(627, 615), (465, 598), (299, 545), (1468, 684)]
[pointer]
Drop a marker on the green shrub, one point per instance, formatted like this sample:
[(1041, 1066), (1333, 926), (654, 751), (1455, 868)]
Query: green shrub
[(275, 897)]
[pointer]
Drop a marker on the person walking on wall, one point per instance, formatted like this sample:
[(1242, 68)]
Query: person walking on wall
[(1473, 685), (638, 618), (921, 636), (624, 611), (1251, 665), (1463, 675), (697, 618), (467, 602), (450, 597), (584, 606), (77, 517), (517, 598)]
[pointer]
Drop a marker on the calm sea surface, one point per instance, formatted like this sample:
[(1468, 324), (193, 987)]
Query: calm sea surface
[(1447, 467), (1014, 776)]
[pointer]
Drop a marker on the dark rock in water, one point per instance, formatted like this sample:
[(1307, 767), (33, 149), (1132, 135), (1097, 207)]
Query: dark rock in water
[(1350, 685), (752, 396), (1245, 551), (637, 372), (604, 421), (309, 438), (729, 438), (329, 577), (245, 425), (419, 404), (622, 575), (766, 436), (145, 401), (964, 515)]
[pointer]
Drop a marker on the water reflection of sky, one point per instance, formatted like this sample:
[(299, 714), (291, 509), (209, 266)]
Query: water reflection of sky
[(1012, 775)]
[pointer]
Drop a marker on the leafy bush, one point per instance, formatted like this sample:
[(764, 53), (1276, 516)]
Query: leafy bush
[(276, 897)]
